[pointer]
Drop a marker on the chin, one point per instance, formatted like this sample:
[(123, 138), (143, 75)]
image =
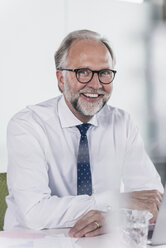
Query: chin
[(91, 110)]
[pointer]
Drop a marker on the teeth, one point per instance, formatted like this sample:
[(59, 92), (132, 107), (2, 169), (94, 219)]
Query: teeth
[(91, 95)]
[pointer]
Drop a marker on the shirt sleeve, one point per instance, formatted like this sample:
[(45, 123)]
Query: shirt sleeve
[(28, 184), (139, 172)]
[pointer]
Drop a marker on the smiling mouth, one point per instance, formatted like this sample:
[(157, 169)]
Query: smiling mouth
[(91, 95)]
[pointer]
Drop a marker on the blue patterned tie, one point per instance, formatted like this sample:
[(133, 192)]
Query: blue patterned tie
[(84, 180)]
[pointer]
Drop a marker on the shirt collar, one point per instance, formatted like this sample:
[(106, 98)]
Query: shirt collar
[(67, 118)]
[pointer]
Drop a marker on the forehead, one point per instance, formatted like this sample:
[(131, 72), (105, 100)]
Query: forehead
[(89, 53)]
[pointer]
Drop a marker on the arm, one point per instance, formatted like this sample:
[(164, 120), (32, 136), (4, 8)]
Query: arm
[(28, 183), (149, 200), (138, 171), (142, 186)]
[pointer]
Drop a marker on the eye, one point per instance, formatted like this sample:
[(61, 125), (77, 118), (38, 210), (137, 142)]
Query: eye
[(105, 73), (83, 72)]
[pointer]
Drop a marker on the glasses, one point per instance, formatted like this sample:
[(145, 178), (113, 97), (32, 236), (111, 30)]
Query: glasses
[(85, 75)]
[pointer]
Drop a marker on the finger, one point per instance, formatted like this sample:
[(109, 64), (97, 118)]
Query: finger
[(79, 232), (154, 210), (86, 220), (83, 222), (146, 194), (80, 224), (158, 204), (151, 202), (156, 195), (160, 196), (151, 196), (156, 198), (88, 229), (96, 232)]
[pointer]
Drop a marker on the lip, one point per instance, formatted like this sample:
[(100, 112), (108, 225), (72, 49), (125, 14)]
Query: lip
[(91, 99)]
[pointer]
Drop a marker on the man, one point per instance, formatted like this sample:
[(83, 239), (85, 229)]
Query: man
[(46, 188)]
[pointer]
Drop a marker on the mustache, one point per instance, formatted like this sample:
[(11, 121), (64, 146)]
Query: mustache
[(91, 91)]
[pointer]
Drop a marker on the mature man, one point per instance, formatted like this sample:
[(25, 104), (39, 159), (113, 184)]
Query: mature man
[(69, 155)]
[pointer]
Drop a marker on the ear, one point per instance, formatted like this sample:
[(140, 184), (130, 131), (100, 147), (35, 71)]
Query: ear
[(60, 78)]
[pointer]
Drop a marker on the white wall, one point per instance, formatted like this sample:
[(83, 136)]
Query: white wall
[(31, 31)]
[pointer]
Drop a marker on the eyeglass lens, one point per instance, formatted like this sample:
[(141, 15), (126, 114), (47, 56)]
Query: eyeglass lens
[(85, 75)]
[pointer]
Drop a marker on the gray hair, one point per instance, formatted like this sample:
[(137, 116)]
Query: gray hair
[(61, 54)]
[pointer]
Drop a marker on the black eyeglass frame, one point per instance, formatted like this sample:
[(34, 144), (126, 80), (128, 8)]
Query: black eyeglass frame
[(93, 72)]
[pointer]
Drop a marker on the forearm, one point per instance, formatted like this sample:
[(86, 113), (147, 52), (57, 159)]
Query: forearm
[(56, 212)]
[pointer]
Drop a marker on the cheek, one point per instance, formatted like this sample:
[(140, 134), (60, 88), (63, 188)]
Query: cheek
[(71, 81), (108, 88), (75, 85), (72, 86)]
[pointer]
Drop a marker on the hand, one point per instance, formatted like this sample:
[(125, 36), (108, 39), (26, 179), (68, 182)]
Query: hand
[(91, 224), (142, 200)]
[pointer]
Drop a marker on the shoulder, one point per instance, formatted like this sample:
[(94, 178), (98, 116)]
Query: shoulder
[(118, 120), (112, 114), (35, 114)]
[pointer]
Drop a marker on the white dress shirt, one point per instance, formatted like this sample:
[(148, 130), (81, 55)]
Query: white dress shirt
[(42, 165)]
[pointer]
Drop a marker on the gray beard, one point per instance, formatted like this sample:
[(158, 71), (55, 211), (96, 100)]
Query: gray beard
[(87, 109), (90, 110)]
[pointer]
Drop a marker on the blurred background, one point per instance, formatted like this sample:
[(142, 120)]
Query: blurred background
[(31, 31)]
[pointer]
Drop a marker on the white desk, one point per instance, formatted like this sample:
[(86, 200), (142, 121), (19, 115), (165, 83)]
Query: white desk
[(100, 241)]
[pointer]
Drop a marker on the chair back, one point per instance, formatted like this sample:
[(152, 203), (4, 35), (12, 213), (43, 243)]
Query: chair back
[(3, 194)]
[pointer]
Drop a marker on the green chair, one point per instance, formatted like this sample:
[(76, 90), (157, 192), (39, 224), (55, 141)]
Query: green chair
[(3, 194)]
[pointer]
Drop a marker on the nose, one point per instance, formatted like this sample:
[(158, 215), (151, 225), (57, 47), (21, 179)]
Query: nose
[(95, 83)]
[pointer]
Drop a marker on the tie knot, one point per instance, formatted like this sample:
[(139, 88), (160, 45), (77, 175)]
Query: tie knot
[(83, 128)]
